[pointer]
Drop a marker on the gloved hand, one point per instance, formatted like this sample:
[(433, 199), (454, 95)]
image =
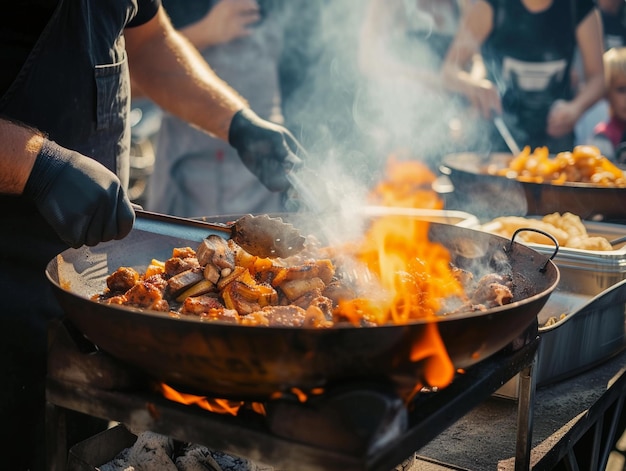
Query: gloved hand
[(266, 149), (81, 199)]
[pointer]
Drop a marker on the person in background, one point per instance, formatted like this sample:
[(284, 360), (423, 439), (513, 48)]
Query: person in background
[(64, 162), (610, 135), (401, 49), (527, 48), (196, 174), (613, 14)]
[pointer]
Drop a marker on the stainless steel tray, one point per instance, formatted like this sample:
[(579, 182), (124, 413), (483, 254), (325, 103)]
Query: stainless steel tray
[(593, 330), (590, 272)]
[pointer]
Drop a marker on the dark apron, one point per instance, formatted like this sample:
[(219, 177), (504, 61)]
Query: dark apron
[(74, 87)]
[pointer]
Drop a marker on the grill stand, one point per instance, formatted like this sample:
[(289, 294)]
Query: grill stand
[(82, 388)]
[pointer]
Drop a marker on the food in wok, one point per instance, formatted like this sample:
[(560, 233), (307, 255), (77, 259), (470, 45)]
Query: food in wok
[(567, 228), (220, 281), (585, 164), (581, 182)]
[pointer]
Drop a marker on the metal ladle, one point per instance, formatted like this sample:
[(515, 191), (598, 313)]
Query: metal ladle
[(506, 135)]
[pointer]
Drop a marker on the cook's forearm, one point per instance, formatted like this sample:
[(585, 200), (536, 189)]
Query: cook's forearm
[(457, 81), (199, 36), (19, 147), (170, 71)]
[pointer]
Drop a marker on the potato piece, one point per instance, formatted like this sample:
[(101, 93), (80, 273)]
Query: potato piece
[(230, 277), (156, 267), (216, 250), (201, 287)]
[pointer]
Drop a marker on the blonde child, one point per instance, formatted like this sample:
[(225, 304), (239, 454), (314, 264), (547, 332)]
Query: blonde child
[(610, 136)]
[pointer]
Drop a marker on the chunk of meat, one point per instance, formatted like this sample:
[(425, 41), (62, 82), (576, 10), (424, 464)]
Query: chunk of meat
[(176, 265), (147, 295), (307, 298), (216, 251), (278, 316), (294, 289), (338, 291), (325, 305), (207, 310), (184, 280), (122, 279), (322, 269), (200, 304), (492, 290)]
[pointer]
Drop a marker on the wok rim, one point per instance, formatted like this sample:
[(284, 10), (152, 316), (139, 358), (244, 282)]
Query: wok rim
[(440, 318)]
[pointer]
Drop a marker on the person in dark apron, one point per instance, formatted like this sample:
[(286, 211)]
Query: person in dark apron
[(527, 49), (64, 163)]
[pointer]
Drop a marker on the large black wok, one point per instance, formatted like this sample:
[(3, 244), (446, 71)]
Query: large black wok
[(493, 196), (251, 362)]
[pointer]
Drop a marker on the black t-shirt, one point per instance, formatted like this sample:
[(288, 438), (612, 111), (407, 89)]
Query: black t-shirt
[(21, 23), (184, 12), (614, 28)]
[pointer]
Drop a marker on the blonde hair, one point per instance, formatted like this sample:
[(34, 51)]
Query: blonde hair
[(614, 64)]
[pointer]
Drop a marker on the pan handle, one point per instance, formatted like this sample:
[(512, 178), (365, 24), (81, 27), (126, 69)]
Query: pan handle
[(547, 234)]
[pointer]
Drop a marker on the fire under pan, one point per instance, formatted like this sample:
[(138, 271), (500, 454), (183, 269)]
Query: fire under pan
[(358, 427)]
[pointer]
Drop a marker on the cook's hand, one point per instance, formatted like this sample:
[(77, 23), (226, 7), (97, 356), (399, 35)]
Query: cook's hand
[(562, 118), (229, 20), (268, 150), (484, 96), (81, 199)]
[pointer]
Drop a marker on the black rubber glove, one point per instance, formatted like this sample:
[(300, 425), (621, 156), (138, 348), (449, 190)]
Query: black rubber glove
[(267, 149), (81, 199)]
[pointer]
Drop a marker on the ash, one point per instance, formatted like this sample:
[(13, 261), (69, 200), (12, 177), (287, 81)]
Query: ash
[(155, 452)]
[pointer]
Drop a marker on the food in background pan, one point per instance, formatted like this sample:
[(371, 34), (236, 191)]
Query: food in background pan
[(585, 164), (567, 228)]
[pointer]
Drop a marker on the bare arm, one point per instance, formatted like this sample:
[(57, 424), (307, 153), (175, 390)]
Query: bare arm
[(456, 71), (225, 22), (564, 115), (170, 71), (20, 146)]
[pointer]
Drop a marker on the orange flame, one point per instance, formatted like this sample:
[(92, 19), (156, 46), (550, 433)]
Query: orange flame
[(414, 272), (220, 406), (408, 184)]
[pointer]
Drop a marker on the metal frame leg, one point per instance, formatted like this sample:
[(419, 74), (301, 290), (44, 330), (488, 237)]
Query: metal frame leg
[(56, 438), (525, 414)]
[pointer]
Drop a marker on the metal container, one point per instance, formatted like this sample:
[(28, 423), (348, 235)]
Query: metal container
[(591, 271), (488, 195), (592, 294), (95, 451)]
